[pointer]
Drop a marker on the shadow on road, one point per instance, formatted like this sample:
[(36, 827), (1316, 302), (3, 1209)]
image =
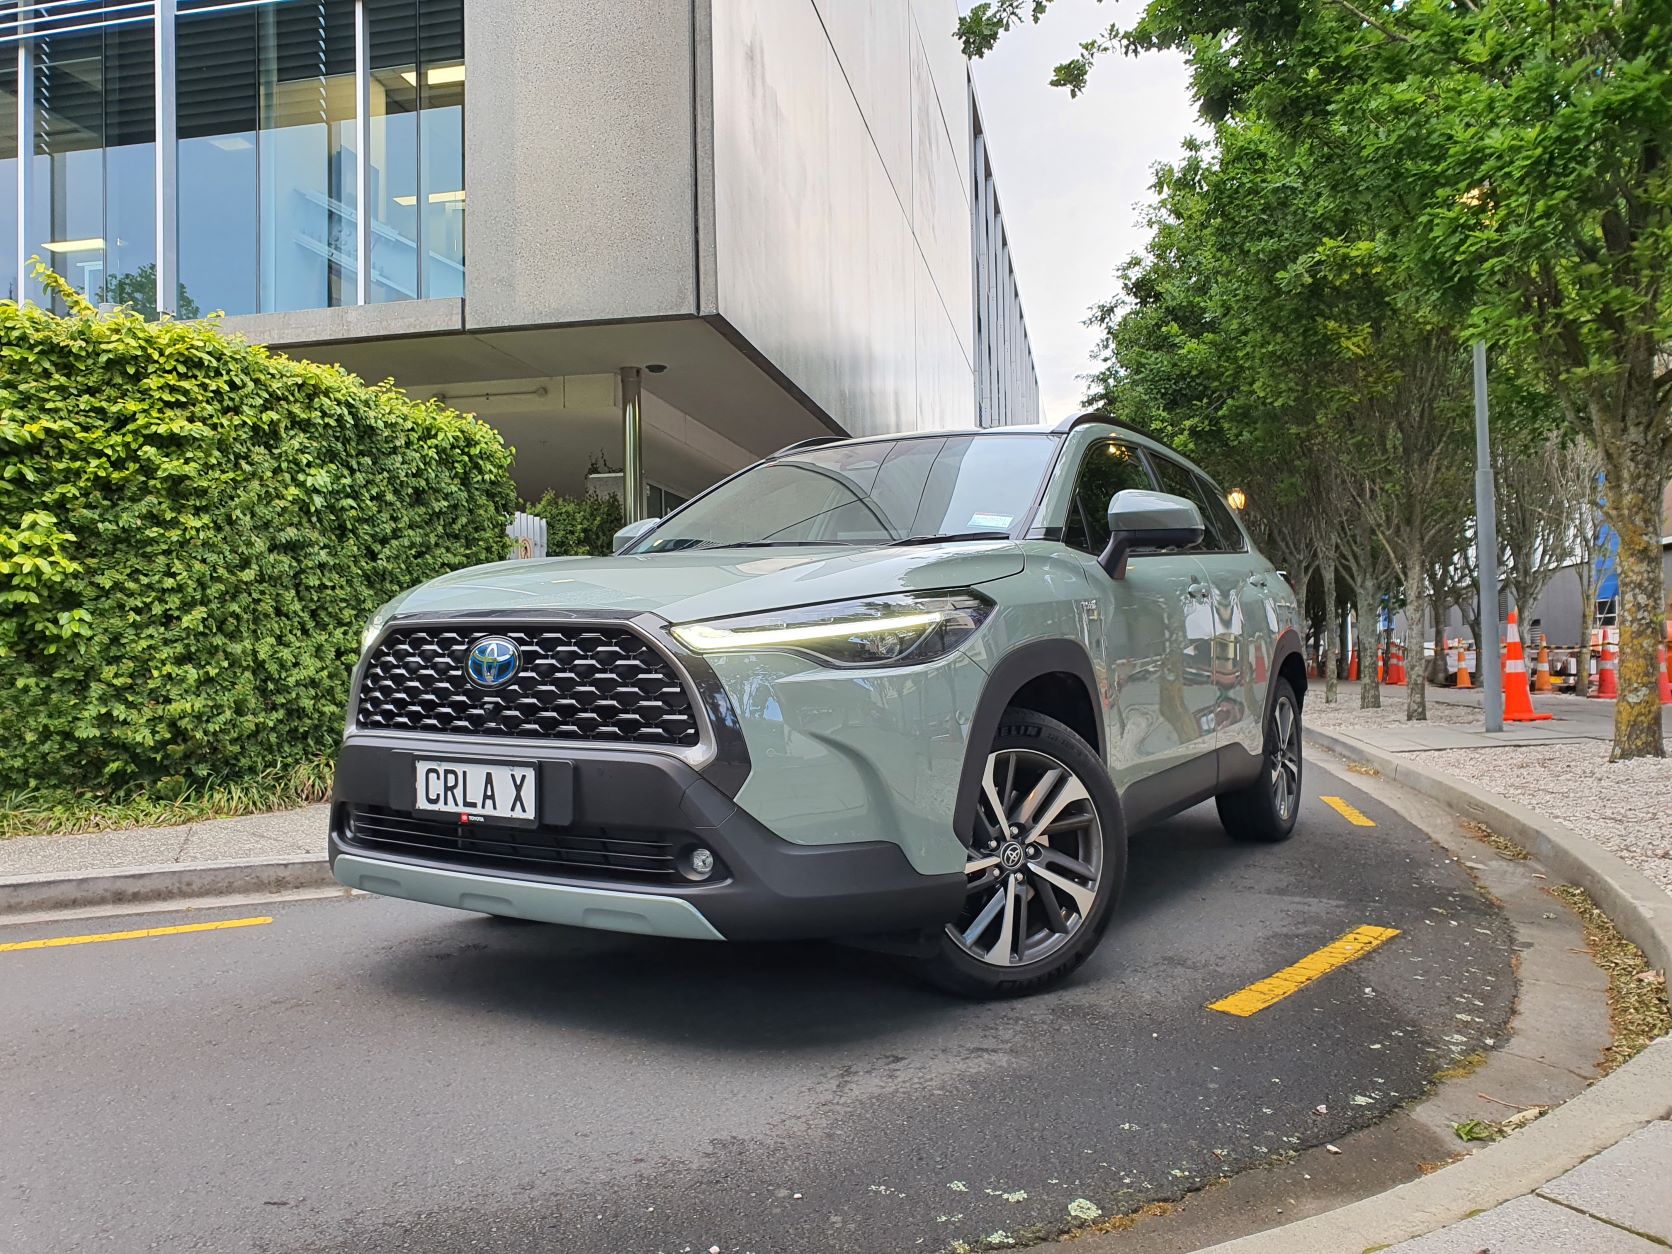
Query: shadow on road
[(755, 997)]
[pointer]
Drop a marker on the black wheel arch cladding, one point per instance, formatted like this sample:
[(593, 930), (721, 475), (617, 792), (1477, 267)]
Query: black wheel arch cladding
[(1009, 677)]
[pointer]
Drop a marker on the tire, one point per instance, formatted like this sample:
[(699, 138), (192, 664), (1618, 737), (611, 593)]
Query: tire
[(1036, 909), (1264, 812)]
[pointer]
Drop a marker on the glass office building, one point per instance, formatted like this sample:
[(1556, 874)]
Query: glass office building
[(220, 143)]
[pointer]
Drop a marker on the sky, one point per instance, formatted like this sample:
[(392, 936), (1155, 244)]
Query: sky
[(1074, 174)]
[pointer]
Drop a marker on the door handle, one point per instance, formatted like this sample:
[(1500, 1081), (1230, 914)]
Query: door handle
[(1200, 591), (1259, 581)]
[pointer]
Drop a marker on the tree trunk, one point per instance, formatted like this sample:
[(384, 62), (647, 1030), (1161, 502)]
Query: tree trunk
[(1330, 645), (1633, 508), (1370, 692), (1416, 619)]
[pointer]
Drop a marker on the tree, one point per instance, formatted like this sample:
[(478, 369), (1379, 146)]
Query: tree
[(138, 291), (1515, 155)]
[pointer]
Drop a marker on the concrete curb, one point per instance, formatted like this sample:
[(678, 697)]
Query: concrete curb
[(1638, 907), (41, 894), (1606, 1113)]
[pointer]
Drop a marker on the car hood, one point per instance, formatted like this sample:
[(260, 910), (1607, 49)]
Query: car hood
[(712, 583)]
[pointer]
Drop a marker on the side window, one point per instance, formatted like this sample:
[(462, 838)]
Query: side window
[(1108, 467), (1219, 530), (1219, 519)]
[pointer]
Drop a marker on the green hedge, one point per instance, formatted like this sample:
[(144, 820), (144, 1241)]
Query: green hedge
[(192, 532), (580, 526)]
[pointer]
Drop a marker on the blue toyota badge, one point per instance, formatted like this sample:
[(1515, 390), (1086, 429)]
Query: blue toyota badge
[(494, 662)]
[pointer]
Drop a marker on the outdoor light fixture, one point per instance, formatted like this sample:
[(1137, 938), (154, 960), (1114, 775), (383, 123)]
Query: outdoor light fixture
[(73, 245), (436, 198), (1236, 498)]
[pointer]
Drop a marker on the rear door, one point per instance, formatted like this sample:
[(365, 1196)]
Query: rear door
[(1154, 627), (1242, 624)]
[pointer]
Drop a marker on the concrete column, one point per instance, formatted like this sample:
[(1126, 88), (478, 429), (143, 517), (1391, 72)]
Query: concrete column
[(632, 461)]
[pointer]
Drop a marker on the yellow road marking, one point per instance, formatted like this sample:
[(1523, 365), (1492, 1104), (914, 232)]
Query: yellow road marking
[(1274, 988), (55, 942), (1353, 815)]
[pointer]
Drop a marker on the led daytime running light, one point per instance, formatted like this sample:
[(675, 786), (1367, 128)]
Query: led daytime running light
[(707, 639)]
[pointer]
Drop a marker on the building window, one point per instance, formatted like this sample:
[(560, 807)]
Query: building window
[(268, 142), (8, 174), (417, 137), (92, 202)]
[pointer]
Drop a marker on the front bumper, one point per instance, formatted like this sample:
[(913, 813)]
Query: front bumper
[(767, 888)]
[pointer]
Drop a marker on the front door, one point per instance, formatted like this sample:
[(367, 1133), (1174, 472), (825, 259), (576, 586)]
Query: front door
[(1154, 628)]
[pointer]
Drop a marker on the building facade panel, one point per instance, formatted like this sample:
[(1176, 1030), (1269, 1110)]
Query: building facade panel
[(786, 238), (580, 141)]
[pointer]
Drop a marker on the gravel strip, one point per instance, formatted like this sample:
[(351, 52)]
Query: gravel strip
[(1625, 807), (1345, 714)]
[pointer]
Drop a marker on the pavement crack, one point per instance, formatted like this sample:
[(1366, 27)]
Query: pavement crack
[(1603, 1219)]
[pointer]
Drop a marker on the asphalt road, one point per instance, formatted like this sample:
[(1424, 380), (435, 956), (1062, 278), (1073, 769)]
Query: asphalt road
[(370, 1075)]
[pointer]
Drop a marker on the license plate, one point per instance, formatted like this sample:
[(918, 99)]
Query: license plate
[(476, 790)]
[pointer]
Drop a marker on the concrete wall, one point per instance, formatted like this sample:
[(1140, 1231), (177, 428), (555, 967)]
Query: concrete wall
[(839, 190), (580, 163)]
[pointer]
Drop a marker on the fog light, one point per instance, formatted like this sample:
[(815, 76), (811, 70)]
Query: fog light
[(696, 863)]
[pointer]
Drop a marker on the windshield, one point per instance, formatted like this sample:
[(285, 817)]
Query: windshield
[(877, 492)]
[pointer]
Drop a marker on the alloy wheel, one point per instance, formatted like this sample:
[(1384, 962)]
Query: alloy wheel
[(1283, 758), (1035, 864)]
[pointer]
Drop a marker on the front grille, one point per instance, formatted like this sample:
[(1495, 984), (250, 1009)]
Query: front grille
[(576, 683), (570, 852)]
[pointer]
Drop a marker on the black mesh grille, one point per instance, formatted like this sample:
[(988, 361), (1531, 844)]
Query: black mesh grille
[(570, 852), (576, 683)]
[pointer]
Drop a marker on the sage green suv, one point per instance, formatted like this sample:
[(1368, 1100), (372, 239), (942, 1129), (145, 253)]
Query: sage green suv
[(912, 691)]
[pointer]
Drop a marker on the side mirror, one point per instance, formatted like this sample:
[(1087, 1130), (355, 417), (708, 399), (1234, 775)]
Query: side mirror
[(632, 532), (1147, 520)]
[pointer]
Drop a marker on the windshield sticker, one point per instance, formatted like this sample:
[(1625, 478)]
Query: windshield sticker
[(1001, 521)]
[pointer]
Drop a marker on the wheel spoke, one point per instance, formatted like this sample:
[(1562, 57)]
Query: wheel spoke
[(1074, 823), (990, 789), (989, 912), (1050, 908), (1078, 893), (1007, 924), (1072, 790), (1026, 807), (1060, 860), (980, 864)]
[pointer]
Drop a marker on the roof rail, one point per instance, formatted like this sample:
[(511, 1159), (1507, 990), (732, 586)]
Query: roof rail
[(801, 444), (1093, 415)]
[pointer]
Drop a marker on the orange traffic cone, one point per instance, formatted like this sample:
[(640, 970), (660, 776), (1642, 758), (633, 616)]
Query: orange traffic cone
[(1352, 666), (1463, 680), (1608, 678), (1518, 703), (1541, 677), (1396, 666), (1381, 666)]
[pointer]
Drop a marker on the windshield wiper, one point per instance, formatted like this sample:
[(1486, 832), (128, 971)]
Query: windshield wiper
[(770, 544), (949, 537)]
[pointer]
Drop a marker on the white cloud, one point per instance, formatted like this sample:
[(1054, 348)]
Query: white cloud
[(1073, 174)]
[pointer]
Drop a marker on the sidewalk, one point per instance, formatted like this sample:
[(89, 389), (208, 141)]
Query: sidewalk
[(1558, 768), (1618, 1200), (1606, 1205), (285, 834)]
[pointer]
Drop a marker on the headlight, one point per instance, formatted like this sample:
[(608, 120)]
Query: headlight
[(374, 626), (899, 630)]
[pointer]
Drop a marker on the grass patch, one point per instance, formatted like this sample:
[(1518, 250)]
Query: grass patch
[(1125, 1223), (1637, 1008), (35, 812), (1501, 845), (1463, 1067)]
